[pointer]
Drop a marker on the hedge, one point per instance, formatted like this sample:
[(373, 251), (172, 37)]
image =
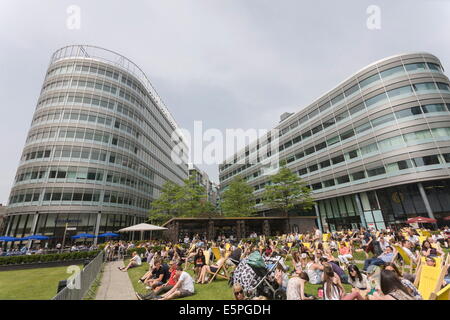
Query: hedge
[(36, 258)]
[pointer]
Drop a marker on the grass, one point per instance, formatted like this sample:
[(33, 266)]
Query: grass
[(31, 284)]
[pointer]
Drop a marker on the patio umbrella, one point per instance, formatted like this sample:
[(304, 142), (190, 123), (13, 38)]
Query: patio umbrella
[(108, 234), (36, 237), (8, 239), (83, 236), (421, 220), (142, 227)]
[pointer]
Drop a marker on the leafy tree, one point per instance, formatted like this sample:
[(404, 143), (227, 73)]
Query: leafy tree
[(286, 192), (166, 206), (238, 200)]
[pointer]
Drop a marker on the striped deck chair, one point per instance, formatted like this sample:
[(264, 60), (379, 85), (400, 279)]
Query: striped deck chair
[(407, 262), (222, 271)]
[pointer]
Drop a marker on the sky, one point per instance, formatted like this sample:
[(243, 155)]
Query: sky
[(228, 63)]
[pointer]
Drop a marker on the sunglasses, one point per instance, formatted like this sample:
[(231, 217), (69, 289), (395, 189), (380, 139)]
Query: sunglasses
[(238, 292)]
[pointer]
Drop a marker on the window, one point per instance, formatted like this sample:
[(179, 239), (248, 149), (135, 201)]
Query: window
[(358, 175), (389, 72), (317, 129), (328, 123), (424, 86), (400, 91), (348, 134), (337, 99), (299, 155), (353, 154), (446, 157), (342, 116), (351, 90), (313, 113), (434, 66), (321, 146), (302, 171), (374, 100), (416, 136), (309, 151), (328, 183), (357, 108), (369, 80), (325, 106), (369, 149), (415, 67), (316, 186), (364, 127), (333, 140), (306, 134), (383, 119), (426, 161), (337, 159), (408, 112), (343, 179), (325, 164), (439, 107), (313, 168), (376, 172)]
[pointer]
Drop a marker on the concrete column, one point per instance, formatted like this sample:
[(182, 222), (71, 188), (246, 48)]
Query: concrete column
[(425, 200), (97, 226), (319, 223), (132, 233), (33, 228)]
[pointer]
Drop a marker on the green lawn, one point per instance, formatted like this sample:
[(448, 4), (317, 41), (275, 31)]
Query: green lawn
[(31, 284)]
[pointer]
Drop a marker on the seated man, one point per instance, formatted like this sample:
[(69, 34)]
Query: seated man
[(165, 287), (408, 247), (183, 288), (159, 276), (135, 261), (381, 260)]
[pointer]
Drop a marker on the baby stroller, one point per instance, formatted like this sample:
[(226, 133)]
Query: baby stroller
[(257, 277)]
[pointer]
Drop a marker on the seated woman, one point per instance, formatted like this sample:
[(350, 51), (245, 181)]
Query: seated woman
[(427, 250), (238, 292), (199, 261), (312, 269), (412, 290), (391, 288), (296, 286), (345, 253), (333, 289), (357, 279), (210, 269), (135, 261)]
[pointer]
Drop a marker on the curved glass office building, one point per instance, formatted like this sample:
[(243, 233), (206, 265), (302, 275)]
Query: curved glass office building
[(375, 150), (98, 150)]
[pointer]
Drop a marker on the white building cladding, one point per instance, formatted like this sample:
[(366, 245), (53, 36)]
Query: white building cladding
[(375, 150), (98, 150)]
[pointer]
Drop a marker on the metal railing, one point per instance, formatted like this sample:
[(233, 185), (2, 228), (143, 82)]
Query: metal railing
[(79, 284)]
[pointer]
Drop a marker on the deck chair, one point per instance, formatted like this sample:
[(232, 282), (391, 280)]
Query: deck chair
[(407, 262), (326, 237), (222, 271), (430, 281), (444, 293), (192, 248), (227, 246), (216, 252), (207, 256), (307, 245)]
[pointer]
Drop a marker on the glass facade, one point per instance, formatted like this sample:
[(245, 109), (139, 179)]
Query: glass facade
[(387, 126), (100, 142)]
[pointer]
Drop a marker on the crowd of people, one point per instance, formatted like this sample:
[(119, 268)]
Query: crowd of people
[(291, 263)]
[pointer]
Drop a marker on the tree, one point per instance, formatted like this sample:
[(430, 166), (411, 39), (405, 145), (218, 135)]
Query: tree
[(286, 192), (238, 200), (166, 206), (192, 198)]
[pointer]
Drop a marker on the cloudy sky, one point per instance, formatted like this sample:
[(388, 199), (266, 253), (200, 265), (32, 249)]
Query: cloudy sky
[(229, 63)]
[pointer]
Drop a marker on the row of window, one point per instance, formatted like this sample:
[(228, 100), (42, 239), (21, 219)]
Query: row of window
[(85, 116), (413, 67), (89, 154), (389, 168), (370, 102), (80, 84), (346, 134), (78, 196), (81, 174), (380, 146)]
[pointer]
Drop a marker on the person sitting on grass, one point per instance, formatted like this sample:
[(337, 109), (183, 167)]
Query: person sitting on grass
[(333, 289), (160, 274), (391, 288), (296, 286), (357, 279), (165, 287), (381, 260), (183, 288), (312, 269), (135, 261), (407, 283), (345, 253), (210, 269)]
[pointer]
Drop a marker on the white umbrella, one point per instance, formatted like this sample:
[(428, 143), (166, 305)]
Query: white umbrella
[(142, 227)]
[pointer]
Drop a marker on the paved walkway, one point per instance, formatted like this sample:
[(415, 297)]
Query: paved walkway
[(115, 284)]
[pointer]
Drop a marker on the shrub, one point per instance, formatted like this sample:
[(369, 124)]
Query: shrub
[(36, 258)]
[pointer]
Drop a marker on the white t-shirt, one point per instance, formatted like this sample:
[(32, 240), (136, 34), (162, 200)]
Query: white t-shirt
[(137, 259), (187, 283)]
